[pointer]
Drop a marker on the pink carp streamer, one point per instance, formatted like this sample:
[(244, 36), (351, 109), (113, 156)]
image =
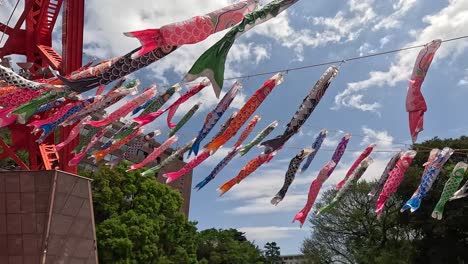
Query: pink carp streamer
[(314, 189), (8, 90), (99, 155), (192, 30), (80, 155), (202, 156), (148, 118), (383, 178), (395, 178), (246, 111), (353, 167), (109, 99), (248, 169), (6, 118), (247, 131), (205, 154), (126, 108), (415, 103), (155, 154), (19, 97), (73, 133)]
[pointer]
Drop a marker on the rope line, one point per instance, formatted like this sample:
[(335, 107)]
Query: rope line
[(11, 15), (342, 60)]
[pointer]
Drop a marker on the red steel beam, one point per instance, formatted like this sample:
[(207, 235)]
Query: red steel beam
[(72, 59)]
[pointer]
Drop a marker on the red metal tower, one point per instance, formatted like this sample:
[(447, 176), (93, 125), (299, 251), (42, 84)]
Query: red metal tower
[(35, 42)]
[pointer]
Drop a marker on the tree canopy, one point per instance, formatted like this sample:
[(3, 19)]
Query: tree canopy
[(225, 247), (271, 252), (351, 233), (139, 221)]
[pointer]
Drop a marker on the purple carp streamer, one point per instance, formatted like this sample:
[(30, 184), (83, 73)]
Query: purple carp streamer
[(385, 174), (456, 177), (352, 180), (427, 180), (395, 178), (415, 103), (305, 110), (339, 152), (314, 190), (291, 174), (211, 64), (316, 147), (213, 117), (155, 154)]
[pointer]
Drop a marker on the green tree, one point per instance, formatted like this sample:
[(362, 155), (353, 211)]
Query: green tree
[(226, 247), (138, 220), (350, 233), (271, 252)]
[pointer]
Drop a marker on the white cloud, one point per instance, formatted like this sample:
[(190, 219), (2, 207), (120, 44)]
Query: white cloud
[(393, 20), (464, 81), (366, 48), (255, 192), (262, 205), (270, 233), (383, 41), (355, 101), (381, 138), (261, 53), (448, 22)]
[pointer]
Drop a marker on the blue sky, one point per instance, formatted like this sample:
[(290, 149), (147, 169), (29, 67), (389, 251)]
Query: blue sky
[(366, 99)]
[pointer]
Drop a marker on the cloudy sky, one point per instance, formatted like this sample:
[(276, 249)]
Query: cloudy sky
[(366, 99)]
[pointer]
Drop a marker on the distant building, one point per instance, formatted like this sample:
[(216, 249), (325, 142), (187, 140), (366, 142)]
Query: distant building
[(294, 259), (183, 184)]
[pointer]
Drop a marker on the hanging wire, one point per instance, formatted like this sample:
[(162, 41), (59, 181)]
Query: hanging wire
[(8, 22), (341, 61)]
